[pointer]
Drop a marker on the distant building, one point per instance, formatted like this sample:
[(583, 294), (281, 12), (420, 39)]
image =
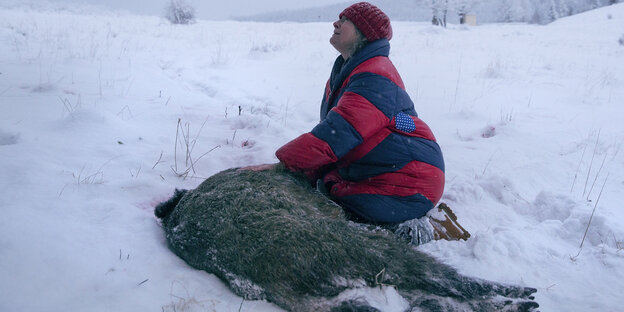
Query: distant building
[(469, 19)]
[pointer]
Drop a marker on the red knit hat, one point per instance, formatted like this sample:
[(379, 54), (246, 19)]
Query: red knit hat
[(370, 20)]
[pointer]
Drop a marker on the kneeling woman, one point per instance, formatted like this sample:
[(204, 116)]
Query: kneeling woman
[(370, 151), (375, 156)]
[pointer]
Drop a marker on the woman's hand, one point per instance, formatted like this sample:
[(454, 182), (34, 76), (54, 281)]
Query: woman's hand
[(259, 167)]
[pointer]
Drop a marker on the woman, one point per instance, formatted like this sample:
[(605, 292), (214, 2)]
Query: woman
[(378, 159), (372, 153)]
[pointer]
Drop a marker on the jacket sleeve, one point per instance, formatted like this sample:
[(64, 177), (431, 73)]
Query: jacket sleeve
[(352, 121), (307, 154)]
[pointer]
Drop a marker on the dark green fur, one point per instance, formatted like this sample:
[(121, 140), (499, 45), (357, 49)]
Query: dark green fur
[(269, 235)]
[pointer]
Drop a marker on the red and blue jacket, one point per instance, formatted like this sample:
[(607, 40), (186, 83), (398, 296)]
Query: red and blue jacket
[(381, 161)]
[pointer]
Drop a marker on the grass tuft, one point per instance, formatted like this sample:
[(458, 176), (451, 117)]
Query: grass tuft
[(187, 145)]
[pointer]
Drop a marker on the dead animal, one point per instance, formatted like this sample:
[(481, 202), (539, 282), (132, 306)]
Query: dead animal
[(269, 235)]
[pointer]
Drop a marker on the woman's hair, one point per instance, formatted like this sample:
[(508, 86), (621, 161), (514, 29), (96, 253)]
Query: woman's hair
[(359, 44)]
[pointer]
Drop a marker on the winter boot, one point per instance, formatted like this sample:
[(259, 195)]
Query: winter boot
[(416, 231), (439, 223), (445, 225)]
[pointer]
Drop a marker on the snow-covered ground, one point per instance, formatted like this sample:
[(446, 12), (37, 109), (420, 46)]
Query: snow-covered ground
[(92, 105)]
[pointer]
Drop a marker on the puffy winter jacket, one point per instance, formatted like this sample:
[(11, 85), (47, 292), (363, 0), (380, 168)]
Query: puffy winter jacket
[(380, 160)]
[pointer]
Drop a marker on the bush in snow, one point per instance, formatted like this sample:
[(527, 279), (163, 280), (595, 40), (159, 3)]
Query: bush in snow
[(178, 12), (621, 41), (7, 138)]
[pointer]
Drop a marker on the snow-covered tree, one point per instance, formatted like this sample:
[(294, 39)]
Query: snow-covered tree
[(463, 7), (564, 8), (561, 8), (439, 9), (576, 6), (511, 11), (596, 4), (553, 10), (179, 12)]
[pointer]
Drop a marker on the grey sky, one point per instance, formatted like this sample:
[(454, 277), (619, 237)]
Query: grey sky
[(210, 9)]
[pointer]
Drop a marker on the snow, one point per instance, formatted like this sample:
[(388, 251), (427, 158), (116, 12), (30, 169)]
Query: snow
[(92, 105)]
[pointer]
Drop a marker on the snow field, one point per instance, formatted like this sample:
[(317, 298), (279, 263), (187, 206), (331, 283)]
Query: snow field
[(100, 114)]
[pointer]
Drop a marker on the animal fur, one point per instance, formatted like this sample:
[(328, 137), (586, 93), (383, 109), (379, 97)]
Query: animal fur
[(269, 235)]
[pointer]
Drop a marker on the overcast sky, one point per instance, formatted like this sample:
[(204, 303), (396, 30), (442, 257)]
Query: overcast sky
[(210, 9)]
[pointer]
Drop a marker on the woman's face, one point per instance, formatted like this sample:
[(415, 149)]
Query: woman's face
[(345, 36)]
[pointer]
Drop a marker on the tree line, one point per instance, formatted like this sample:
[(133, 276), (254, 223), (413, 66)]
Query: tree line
[(527, 11)]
